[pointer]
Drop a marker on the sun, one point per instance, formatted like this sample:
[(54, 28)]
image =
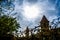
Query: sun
[(31, 12)]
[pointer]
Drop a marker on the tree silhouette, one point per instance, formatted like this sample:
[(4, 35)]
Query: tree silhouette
[(8, 25), (6, 6)]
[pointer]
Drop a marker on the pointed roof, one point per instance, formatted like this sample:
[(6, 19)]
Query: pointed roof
[(44, 19), (27, 29)]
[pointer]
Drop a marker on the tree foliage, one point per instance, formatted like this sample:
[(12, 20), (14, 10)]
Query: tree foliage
[(8, 24), (6, 6)]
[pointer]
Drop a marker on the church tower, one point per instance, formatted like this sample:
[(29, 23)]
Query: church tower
[(44, 24), (27, 32)]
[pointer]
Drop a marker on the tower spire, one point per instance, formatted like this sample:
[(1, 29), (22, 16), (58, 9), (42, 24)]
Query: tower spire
[(44, 22), (44, 19)]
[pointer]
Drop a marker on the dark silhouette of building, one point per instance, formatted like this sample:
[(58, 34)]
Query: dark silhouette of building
[(27, 32), (45, 31)]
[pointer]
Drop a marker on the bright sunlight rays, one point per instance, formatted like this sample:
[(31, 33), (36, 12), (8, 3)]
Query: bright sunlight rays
[(31, 11)]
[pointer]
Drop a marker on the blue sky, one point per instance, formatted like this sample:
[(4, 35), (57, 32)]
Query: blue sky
[(49, 8)]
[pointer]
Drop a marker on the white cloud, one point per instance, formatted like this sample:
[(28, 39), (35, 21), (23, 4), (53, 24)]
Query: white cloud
[(45, 8)]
